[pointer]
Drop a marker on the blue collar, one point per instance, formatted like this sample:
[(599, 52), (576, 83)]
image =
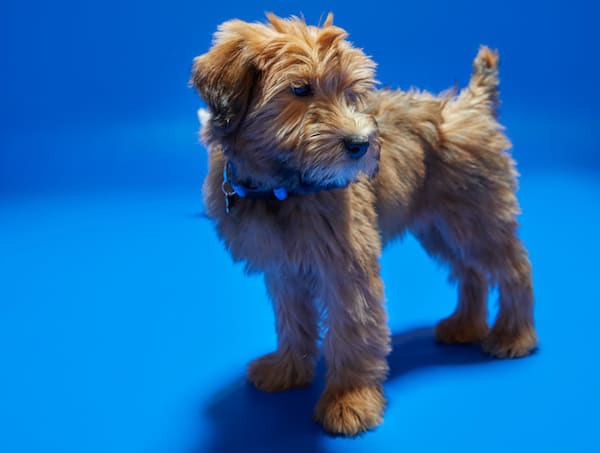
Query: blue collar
[(245, 191), (232, 188)]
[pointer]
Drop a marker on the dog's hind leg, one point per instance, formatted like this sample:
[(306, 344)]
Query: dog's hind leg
[(292, 365), (479, 256), (513, 333), (468, 323), (485, 260)]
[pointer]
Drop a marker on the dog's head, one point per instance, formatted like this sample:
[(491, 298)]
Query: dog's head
[(287, 98)]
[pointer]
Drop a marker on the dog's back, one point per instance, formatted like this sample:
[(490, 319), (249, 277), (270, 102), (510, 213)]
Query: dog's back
[(444, 155)]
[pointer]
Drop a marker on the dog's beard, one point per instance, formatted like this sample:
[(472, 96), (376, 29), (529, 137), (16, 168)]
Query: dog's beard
[(324, 161), (339, 174)]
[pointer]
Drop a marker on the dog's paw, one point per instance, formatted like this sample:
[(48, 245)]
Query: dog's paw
[(350, 412), (276, 372), (508, 343), (455, 330)]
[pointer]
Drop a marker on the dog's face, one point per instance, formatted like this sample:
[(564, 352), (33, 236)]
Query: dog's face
[(287, 98)]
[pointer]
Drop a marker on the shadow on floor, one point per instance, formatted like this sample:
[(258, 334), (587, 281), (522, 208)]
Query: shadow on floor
[(243, 419), (417, 349)]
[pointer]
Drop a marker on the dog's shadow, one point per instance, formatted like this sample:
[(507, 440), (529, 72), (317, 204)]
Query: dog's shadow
[(242, 418)]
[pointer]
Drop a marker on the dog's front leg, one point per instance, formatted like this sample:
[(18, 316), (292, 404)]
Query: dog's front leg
[(355, 347), (293, 364)]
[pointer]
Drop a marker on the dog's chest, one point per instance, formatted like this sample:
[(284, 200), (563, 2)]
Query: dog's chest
[(264, 233)]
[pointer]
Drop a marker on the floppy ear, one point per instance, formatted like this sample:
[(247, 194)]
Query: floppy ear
[(225, 76)]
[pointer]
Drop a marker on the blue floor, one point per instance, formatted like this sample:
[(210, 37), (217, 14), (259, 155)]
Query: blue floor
[(125, 328)]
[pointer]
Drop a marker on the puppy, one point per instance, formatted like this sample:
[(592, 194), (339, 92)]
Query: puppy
[(312, 171)]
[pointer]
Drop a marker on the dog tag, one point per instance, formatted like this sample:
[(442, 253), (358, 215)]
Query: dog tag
[(229, 195), (280, 193), (227, 204)]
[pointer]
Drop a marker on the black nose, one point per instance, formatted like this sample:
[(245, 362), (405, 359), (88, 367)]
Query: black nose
[(356, 146)]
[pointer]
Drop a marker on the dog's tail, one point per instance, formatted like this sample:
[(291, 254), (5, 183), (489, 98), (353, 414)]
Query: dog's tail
[(483, 86)]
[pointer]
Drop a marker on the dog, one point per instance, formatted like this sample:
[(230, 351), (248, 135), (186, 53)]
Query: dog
[(312, 171)]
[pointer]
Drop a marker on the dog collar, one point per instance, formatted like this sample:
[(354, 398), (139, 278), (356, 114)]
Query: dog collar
[(232, 188)]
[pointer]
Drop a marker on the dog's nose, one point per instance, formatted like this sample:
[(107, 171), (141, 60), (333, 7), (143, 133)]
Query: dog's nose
[(356, 146)]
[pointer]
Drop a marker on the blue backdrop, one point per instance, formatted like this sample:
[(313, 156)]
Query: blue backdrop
[(124, 326)]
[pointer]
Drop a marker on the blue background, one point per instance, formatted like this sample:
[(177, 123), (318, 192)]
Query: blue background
[(124, 326)]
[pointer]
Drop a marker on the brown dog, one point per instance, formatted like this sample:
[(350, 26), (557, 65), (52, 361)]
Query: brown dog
[(312, 170)]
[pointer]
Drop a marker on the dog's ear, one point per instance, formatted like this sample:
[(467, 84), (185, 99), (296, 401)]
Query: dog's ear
[(328, 20), (330, 34), (225, 76)]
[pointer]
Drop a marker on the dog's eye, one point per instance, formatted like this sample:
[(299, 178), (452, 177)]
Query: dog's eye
[(302, 90)]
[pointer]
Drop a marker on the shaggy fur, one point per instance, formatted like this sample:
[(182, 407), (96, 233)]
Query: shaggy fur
[(435, 166)]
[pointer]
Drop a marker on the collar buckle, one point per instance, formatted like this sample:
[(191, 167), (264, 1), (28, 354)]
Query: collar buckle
[(228, 188)]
